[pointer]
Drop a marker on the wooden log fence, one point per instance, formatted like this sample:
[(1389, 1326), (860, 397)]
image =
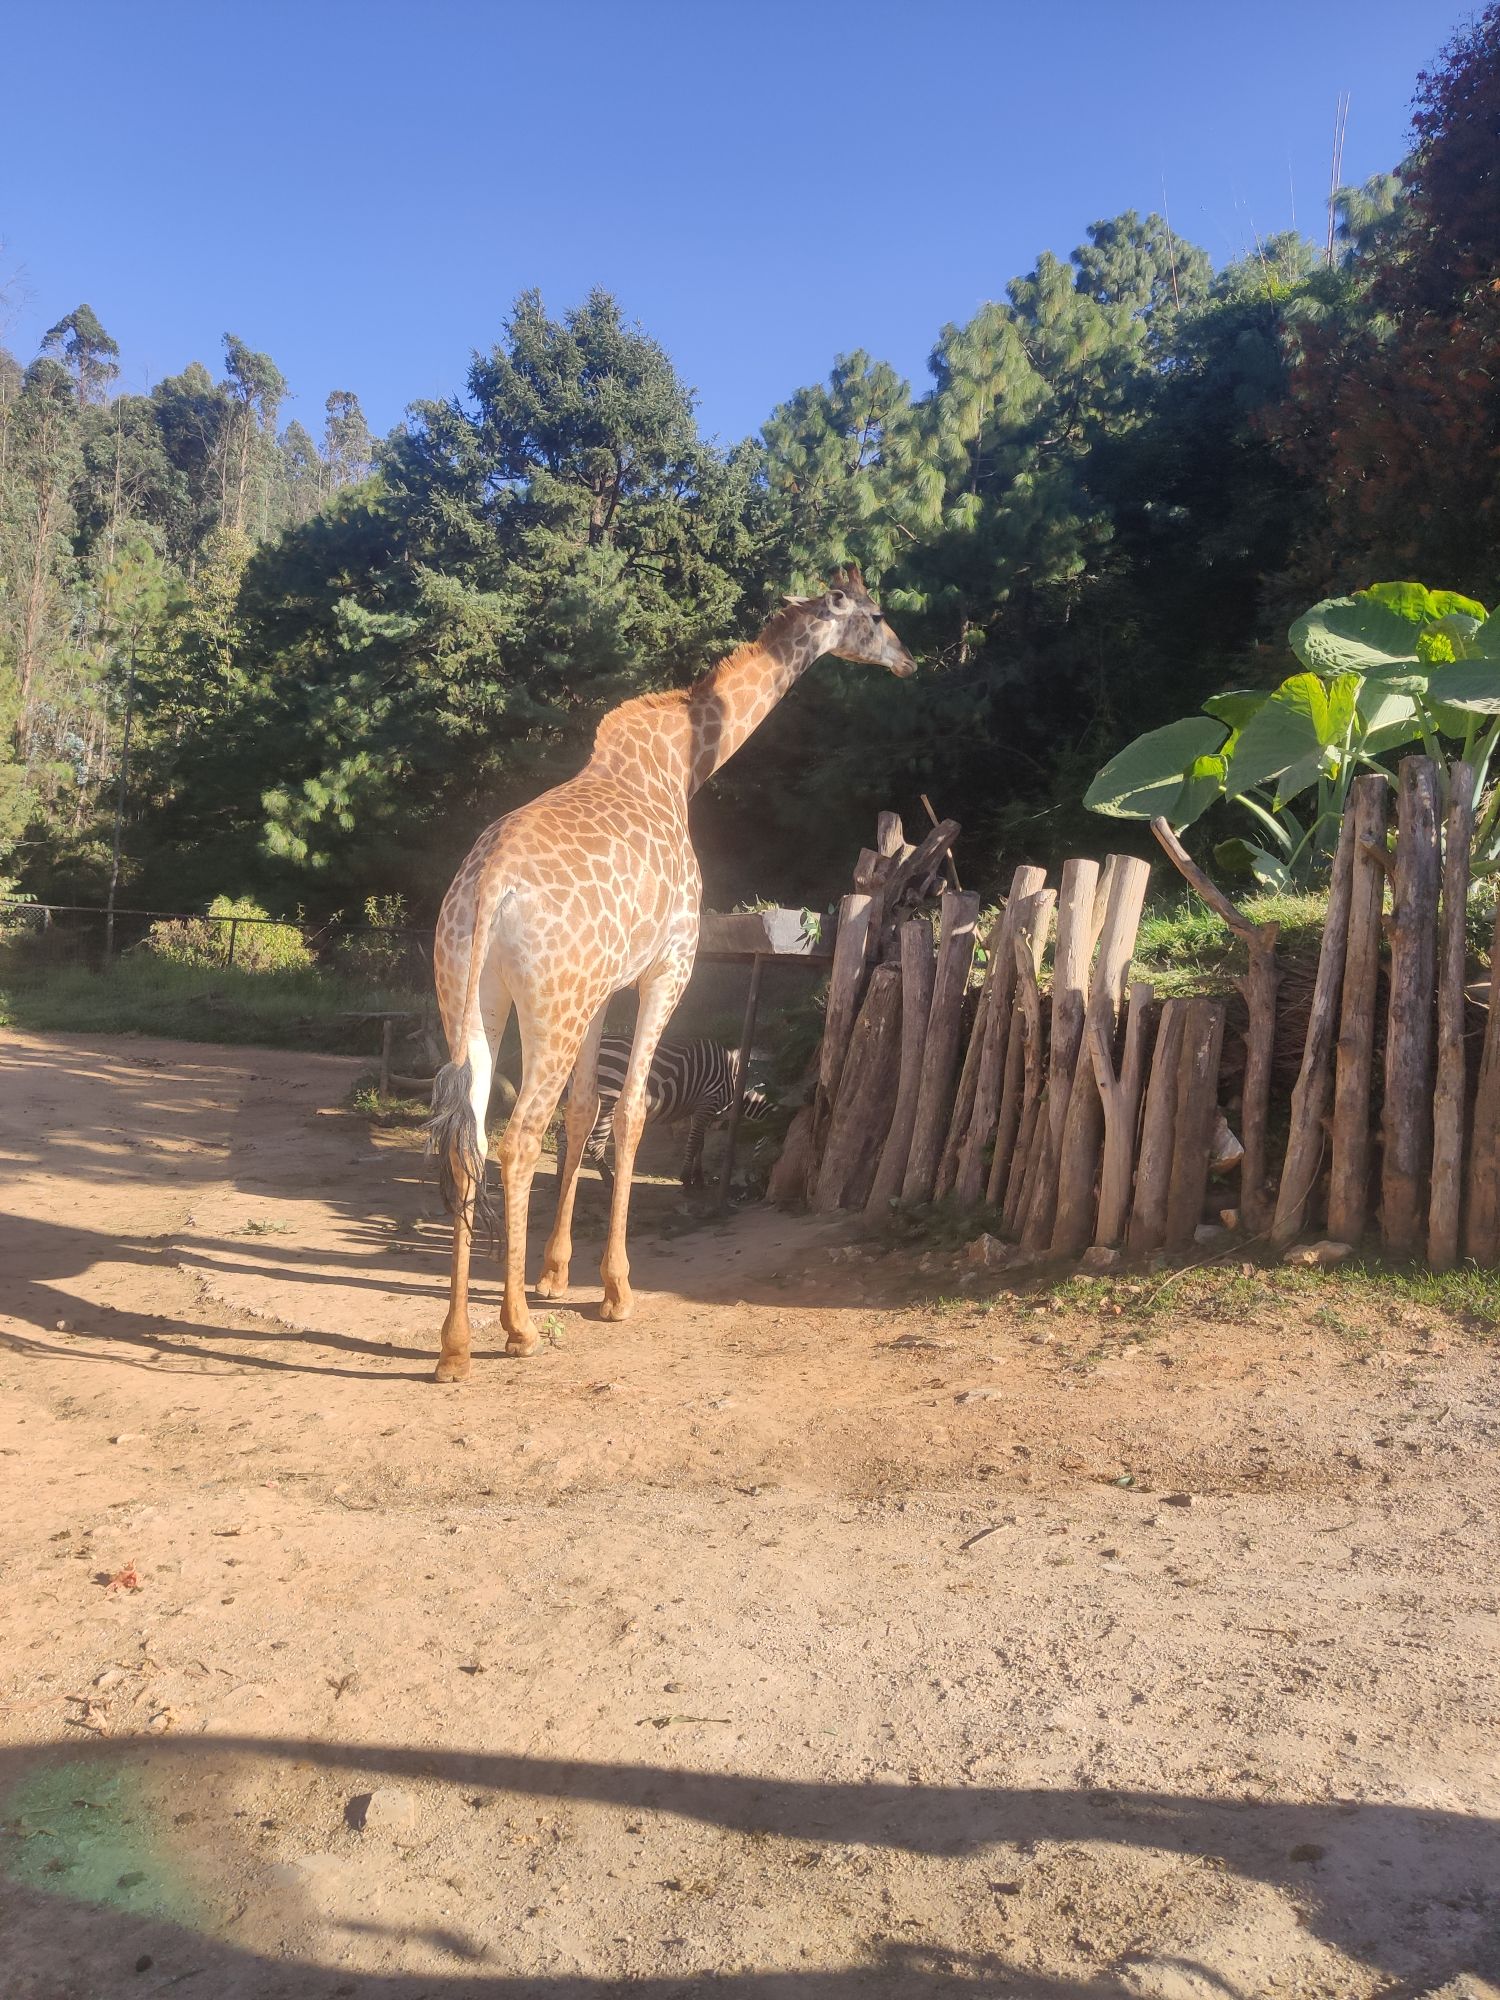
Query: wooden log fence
[(1055, 1101)]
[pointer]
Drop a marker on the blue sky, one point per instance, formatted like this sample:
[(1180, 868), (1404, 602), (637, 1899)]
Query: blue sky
[(362, 189)]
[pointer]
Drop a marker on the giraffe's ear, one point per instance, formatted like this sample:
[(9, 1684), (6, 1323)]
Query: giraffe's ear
[(796, 603)]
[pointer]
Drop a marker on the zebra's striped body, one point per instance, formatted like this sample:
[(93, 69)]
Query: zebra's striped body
[(692, 1080)]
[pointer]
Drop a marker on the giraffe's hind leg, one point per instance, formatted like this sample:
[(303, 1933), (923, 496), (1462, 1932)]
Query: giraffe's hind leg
[(583, 1111), (550, 1050), (660, 990), (461, 1096)]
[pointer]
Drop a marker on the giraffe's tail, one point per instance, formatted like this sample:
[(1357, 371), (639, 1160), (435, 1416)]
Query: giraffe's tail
[(453, 1129), (453, 1141)]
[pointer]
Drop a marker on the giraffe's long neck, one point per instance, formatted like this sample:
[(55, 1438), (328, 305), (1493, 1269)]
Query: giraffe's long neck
[(736, 696)]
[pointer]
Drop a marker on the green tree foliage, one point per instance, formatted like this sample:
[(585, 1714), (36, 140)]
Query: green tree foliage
[(1394, 415), (438, 643), (1119, 478)]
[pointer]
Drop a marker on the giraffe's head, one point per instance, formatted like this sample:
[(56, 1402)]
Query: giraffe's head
[(860, 632)]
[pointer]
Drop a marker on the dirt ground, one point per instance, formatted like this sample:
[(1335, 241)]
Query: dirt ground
[(810, 1636)]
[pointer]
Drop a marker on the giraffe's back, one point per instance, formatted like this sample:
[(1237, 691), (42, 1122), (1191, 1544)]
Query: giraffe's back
[(598, 883)]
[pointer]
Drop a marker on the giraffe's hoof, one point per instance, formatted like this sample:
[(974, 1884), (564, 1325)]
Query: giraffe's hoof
[(452, 1368), (620, 1305), (552, 1284), (522, 1343)]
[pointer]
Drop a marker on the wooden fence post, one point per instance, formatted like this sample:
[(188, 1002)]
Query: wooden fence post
[(862, 1114), (988, 1045), (1482, 1220), (1259, 988), (1307, 1139), (1148, 1217), (1023, 1059), (1354, 1068), (1450, 1103), (1407, 1118), (1193, 1125), (1070, 974), (846, 983), (940, 1057), (1121, 1097), (1083, 1132), (917, 967)]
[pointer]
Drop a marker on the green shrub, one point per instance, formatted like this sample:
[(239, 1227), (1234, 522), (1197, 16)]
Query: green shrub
[(380, 952), (259, 944)]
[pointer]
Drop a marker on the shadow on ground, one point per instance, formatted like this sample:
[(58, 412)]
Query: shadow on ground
[(1388, 1885)]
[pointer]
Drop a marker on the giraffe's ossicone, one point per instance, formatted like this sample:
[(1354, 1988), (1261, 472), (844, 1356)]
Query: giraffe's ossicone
[(591, 888)]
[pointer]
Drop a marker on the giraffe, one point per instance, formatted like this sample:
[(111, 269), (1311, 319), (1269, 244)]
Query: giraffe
[(565, 902)]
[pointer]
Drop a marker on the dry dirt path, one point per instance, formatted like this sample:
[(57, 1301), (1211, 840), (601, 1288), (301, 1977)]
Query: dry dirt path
[(794, 1639)]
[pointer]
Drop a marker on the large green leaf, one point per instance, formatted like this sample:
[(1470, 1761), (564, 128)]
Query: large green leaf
[(1204, 783), (1448, 604), (1243, 857), (1420, 606), (1290, 730), (1343, 700), (1485, 644), (1150, 775), (1237, 706), (1471, 686), (1387, 717), (1355, 635), (1411, 601)]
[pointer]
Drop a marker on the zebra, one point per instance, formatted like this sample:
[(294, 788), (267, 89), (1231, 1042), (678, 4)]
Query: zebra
[(692, 1080)]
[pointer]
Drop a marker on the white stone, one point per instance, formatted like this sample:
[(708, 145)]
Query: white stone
[(1318, 1256), (1101, 1257), (387, 1809)]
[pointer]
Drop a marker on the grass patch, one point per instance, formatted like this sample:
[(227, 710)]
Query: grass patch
[(148, 995), (1183, 947), (366, 1102)]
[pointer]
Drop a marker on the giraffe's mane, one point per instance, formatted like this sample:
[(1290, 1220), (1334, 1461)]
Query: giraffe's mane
[(622, 720)]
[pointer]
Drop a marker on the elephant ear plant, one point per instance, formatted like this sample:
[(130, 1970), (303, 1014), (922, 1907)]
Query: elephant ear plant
[(1392, 665)]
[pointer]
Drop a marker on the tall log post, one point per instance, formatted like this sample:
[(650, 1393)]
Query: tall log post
[(1148, 1217), (787, 1185), (914, 872), (1307, 1139), (862, 1115), (890, 836), (1354, 1066), (940, 1056), (1121, 1096), (846, 983), (968, 1078), (1083, 1133), (1193, 1125), (1070, 977), (1259, 989), (987, 1049), (1482, 1221), (1407, 1118), (1103, 889), (1450, 1101), (914, 939), (1023, 1054)]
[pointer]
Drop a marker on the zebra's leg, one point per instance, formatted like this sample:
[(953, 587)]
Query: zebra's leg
[(583, 1110), (660, 990), (692, 1160)]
